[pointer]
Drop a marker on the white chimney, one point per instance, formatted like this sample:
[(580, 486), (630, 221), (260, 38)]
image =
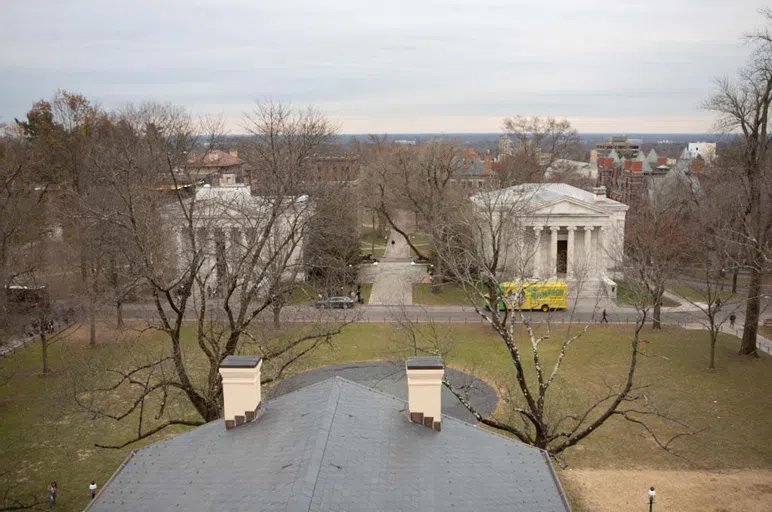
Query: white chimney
[(599, 193), (240, 389), (424, 390)]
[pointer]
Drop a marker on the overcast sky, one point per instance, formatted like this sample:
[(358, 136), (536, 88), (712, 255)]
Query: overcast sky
[(386, 66)]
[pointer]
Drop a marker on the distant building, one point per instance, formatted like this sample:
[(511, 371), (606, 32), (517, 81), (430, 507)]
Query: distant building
[(706, 150), (340, 169), (506, 146), (618, 143), (630, 178), (229, 220), (474, 173), (216, 168), (562, 166), (568, 234)]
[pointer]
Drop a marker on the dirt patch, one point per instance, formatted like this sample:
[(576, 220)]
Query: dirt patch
[(685, 491)]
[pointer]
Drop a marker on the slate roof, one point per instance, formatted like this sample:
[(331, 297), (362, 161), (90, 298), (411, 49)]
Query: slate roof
[(213, 159), (534, 195), (472, 166), (338, 446)]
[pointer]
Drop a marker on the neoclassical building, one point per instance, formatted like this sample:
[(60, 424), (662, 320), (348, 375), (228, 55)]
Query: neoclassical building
[(559, 232), (243, 235)]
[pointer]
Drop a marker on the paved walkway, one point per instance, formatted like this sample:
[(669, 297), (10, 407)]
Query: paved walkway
[(393, 282), (390, 378), (394, 276)]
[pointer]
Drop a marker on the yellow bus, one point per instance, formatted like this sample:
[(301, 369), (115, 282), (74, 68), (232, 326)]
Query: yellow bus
[(544, 295)]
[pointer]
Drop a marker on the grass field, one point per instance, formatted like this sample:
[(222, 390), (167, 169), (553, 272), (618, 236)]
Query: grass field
[(694, 294), (44, 437), (372, 243), (424, 244), (450, 294), (629, 293)]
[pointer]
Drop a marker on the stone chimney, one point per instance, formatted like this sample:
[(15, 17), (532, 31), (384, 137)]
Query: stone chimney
[(488, 162), (424, 390), (599, 193), (240, 389)]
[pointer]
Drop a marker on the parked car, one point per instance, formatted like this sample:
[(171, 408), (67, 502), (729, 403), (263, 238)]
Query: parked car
[(335, 303), (421, 261)]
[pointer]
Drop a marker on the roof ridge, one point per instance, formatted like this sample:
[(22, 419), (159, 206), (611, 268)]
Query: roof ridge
[(304, 486)]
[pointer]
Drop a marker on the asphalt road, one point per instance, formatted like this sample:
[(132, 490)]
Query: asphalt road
[(583, 313)]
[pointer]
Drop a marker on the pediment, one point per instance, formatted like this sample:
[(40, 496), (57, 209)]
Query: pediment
[(570, 207)]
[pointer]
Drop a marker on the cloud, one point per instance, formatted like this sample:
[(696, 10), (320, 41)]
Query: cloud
[(385, 66)]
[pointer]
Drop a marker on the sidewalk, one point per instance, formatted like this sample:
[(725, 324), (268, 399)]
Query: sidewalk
[(15, 344)]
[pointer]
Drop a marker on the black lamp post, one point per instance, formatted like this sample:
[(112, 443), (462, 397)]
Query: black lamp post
[(652, 494)]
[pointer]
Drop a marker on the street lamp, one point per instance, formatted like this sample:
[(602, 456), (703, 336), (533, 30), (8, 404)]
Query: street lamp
[(652, 494)]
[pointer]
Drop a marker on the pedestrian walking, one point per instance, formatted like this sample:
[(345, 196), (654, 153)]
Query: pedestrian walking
[(92, 487), (52, 493), (604, 319), (732, 318), (393, 242), (718, 303)]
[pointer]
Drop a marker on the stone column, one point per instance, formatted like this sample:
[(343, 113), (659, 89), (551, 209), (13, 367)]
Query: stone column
[(588, 250), (554, 252), (570, 253), (537, 252), (600, 257)]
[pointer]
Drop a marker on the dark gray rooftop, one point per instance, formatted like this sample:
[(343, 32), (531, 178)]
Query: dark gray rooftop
[(335, 445)]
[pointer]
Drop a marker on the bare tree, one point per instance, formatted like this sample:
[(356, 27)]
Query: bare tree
[(12, 499), (22, 223), (492, 249), (657, 241), (538, 143), (209, 255), (419, 179), (743, 105)]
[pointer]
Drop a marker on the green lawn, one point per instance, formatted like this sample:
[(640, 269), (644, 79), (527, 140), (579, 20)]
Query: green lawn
[(451, 294), (372, 243), (766, 332), (44, 437), (379, 251), (695, 294), (424, 244), (631, 293)]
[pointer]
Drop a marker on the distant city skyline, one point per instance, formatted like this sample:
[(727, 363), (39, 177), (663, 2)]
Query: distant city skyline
[(405, 66)]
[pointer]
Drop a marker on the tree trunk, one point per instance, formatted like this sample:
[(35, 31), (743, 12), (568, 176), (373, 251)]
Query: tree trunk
[(92, 309), (752, 313), (656, 317), (734, 282), (277, 317), (44, 349), (713, 337), (437, 277), (119, 314)]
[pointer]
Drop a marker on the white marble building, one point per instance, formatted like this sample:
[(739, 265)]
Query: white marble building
[(230, 225), (561, 233)]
